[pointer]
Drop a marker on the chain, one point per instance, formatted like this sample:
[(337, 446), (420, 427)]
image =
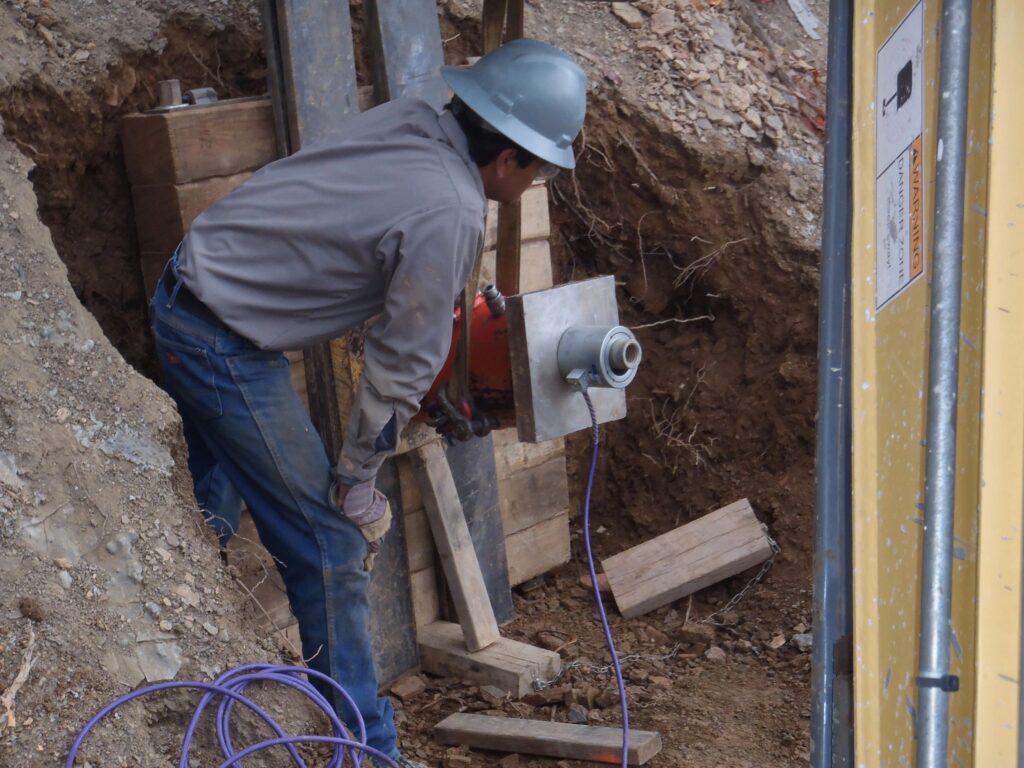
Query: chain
[(603, 669), (740, 596)]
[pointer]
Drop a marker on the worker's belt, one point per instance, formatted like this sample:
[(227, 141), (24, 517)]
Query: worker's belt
[(188, 301)]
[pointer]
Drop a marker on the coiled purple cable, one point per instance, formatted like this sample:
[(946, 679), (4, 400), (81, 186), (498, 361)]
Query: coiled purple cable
[(228, 688), (593, 581)]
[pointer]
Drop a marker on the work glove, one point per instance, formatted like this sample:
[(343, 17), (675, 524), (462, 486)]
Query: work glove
[(368, 508)]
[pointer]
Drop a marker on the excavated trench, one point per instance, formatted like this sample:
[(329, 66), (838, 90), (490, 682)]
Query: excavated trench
[(720, 291)]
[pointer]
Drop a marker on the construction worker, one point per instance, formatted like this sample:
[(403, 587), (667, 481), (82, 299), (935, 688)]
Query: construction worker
[(382, 219)]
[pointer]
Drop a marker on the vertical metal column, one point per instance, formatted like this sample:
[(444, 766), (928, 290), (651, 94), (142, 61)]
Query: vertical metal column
[(831, 729), (934, 682)]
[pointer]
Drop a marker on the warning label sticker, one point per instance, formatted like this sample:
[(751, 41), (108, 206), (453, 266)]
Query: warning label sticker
[(899, 202)]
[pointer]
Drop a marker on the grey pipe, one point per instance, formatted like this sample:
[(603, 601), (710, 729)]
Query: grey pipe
[(831, 676), (934, 682)]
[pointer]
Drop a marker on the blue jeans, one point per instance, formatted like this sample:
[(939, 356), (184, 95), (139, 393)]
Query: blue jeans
[(247, 429)]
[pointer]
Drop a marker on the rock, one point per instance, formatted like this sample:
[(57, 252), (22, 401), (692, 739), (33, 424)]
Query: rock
[(211, 629), (748, 132), (152, 609), (456, 761), (660, 682), (509, 761), (628, 14), (31, 608), (736, 97), (65, 579), (159, 661), (663, 21), (408, 687), (550, 641), (799, 191), (721, 116), (545, 697), (800, 628), (722, 34), (699, 636), (715, 654), (804, 641), (777, 642), (577, 714), (80, 55)]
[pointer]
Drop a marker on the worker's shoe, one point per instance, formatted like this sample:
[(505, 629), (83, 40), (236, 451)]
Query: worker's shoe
[(400, 761)]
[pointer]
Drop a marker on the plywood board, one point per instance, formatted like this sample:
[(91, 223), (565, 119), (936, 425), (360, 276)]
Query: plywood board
[(196, 143), (541, 737), (691, 557), (507, 664)]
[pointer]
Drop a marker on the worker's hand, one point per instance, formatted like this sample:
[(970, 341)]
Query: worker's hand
[(368, 508)]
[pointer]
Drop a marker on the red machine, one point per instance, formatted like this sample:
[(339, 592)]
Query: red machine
[(490, 404)]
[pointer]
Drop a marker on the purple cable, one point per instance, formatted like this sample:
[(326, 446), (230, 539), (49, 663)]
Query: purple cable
[(229, 687), (593, 581)]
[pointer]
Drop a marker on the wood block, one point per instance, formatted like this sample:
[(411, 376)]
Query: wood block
[(193, 143), (164, 212), (411, 499), (415, 434), (691, 557), (537, 549), (455, 547), (535, 222), (541, 737), (534, 495), (507, 664), (425, 606)]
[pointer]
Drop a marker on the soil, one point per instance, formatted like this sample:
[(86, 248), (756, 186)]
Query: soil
[(698, 186)]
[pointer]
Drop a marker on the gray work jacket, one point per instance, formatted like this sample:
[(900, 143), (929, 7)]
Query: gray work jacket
[(383, 218)]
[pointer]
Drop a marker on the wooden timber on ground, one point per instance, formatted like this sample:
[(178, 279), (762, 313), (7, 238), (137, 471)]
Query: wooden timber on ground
[(689, 558), (541, 737), (451, 537), (506, 664)]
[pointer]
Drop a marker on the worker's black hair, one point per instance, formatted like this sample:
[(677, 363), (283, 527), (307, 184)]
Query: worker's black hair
[(485, 144)]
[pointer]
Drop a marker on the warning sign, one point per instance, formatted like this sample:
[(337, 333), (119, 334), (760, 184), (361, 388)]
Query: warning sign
[(899, 199)]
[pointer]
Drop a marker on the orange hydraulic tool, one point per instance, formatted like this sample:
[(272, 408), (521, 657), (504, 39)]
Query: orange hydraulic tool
[(491, 404)]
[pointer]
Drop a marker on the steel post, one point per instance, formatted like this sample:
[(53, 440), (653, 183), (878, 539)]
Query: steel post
[(831, 730), (934, 682)]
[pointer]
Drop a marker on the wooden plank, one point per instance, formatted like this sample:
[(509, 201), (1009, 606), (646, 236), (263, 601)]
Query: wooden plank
[(511, 456), (507, 664), (419, 541), (164, 212), (537, 549), (535, 222), (691, 557), (542, 737), (411, 499), (425, 606), (534, 495), (535, 271), (196, 143), (455, 546)]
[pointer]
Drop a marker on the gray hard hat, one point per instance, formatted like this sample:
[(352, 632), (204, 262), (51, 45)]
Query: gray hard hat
[(530, 92)]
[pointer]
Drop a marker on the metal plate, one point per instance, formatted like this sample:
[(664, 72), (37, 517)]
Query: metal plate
[(546, 406)]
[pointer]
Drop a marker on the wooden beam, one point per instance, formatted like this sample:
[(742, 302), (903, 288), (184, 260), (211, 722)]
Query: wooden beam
[(534, 495), (535, 223), (196, 143), (691, 557), (164, 212), (454, 545), (542, 737), (507, 664)]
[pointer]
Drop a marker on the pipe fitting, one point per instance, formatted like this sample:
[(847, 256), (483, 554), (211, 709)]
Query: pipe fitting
[(598, 356)]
